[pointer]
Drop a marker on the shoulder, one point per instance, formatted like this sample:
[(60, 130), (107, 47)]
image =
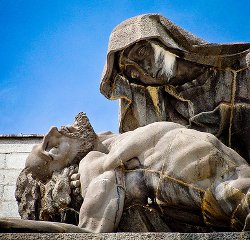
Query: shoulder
[(91, 157), (160, 126)]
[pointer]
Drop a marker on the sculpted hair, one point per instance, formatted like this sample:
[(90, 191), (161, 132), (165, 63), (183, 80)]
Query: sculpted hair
[(167, 58), (48, 201), (83, 132)]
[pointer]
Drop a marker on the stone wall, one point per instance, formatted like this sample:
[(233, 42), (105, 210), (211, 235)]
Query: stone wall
[(13, 152)]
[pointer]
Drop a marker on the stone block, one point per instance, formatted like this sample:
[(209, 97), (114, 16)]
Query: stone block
[(16, 160), (127, 236), (9, 176), (2, 176), (9, 193), (1, 192), (9, 209), (2, 161), (17, 148)]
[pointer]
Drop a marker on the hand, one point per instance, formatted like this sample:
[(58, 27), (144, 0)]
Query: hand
[(75, 184)]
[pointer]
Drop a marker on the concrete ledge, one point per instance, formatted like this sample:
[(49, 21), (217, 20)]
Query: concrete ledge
[(127, 236)]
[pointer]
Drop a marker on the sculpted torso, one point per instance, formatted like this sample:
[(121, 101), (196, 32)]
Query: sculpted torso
[(169, 83), (162, 165), (163, 73), (166, 162)]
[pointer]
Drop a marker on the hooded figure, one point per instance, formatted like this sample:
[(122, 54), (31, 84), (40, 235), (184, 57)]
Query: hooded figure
[(160, 72)]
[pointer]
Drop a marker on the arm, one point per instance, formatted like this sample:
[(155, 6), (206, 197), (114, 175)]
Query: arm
[(127, 146), (135, 143), (103, 204)]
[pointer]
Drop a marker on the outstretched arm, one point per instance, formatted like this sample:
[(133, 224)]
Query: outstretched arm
[(103, 204)]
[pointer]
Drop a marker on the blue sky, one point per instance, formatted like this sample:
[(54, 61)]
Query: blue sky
[(52, 54)]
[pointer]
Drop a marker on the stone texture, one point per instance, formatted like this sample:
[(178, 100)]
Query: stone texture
[(214, 99), (13, 153), (16, 160), (206, 87), (8, 209), (127, 236), (9, 192), (51, 201), (9, 176), (1, 191), (2, 177), (18, 143), (2, 161), (182, 171), (16, 148)]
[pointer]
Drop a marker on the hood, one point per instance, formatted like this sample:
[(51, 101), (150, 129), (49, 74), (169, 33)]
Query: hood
[(155, 26)]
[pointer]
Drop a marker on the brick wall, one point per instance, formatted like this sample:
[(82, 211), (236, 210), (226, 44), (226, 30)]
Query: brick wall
[(14, 150)]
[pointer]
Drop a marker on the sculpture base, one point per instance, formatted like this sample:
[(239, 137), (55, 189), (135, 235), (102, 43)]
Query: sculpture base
[(128, 236)]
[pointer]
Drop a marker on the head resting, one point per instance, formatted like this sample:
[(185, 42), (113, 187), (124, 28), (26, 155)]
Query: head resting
[(61, 148)]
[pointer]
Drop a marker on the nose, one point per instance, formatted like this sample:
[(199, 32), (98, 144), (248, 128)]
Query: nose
[(52, 133)]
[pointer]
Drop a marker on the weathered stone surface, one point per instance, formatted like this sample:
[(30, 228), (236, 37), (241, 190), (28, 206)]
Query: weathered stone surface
[(16, 160), (51, 201), (8, 208), (9, 192), (159, 174), (11, 163), (160, 72), (18, 143), (160, 177), (19, 225), (127, 236), (2, 161), (9, 176)]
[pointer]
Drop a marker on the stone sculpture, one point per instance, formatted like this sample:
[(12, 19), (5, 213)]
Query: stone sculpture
[(46, 194), (160, 72), (175, 167), (181, 100)]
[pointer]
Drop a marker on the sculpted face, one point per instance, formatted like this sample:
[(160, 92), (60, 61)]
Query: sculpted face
[(53, 154), (150, 63)]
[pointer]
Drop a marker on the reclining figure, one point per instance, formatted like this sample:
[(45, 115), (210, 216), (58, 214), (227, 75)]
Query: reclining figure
[(173, 166)]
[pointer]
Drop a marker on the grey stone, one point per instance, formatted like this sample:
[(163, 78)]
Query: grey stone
[(193, 180), (8, 209), (160, 72), (9, 176), (16, 160), (127, 236), (18, 143), (1, 192), (177, 93), (2, 161), (9, 193), (16, 148)]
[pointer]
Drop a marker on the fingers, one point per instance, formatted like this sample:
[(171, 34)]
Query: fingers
[(75, 176), (75, 184), (73, 169), (76, 191)]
